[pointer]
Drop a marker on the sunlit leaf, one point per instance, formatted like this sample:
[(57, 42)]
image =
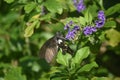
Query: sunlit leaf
[(34, 17), (93, 9), (81, 54), (47, 17), (30, 29), (88, 17), (110, 24), (88, 67), (38, 25), (82, 21), (63, 59), (113, 37)]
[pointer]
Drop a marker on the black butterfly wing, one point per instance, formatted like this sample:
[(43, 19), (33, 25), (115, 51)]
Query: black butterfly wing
[(49, 50)]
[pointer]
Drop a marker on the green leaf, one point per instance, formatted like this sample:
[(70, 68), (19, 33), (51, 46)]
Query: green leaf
[(82, 21), (63, 59), (102, 37), (47, 17), (14, 74), (69, 5), (29, 7), (88, 17), (81, 54), (101, 3), (113, 9), (110, 24), (93, 9), (38, 25), (9, 1), (88, 67), (30, 29), (113, 37), (54, 6)]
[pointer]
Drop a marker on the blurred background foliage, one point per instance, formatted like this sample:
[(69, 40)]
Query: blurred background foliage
[(19, 47)]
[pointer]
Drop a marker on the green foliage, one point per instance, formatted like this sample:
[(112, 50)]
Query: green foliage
[(111, 35), (72, 67), (82, 20), (113, 9), (54, 6), (27, 24), (100, 78), (9, 1), (14, 74), (110, 24), (88, 17), (63, 59), (81, 54), (88, 67), (30, 29), (29, 7)]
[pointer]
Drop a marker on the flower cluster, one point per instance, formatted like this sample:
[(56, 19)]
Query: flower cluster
[(101, 15), (79, 5), (88, 30), (67, 26), (101, 19), (71, 32)]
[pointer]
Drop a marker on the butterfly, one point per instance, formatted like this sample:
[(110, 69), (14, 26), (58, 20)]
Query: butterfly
[(51, 47)]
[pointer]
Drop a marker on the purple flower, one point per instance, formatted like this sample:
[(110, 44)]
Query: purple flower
[(67, 26), (70, 23), (77, 28), (72, 33), (99, 23), (101, 15), (79, 5), (88, 30)]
